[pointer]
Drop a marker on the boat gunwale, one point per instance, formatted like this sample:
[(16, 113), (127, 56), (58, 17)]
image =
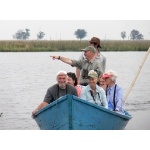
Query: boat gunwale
[(102, 108), (61, 99)]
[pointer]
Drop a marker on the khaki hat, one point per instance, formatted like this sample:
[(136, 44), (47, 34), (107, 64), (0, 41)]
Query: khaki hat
[(95, 40), (92, 74), (89, 48)]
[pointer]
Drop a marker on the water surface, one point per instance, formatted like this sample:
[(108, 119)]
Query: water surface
[(25, 77)]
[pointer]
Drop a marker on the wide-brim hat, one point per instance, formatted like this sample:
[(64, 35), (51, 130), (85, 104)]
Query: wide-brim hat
[(95, 40)]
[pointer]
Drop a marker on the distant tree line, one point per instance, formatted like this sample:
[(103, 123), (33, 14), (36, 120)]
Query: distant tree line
[(134, 35), (79, 33), (24, 35)]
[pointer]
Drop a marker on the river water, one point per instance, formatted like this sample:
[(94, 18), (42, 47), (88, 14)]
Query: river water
[(25, 77)]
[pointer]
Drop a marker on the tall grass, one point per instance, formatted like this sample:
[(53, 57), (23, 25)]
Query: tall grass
[(62, 45), (123, 45)]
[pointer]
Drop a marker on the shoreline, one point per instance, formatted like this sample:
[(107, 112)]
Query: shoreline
[(70, 45)]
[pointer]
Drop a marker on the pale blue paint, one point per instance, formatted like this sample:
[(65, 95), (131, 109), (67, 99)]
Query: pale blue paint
[(72, 113)]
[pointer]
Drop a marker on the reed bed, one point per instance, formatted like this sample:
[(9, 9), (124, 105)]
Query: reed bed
[(71, 45)]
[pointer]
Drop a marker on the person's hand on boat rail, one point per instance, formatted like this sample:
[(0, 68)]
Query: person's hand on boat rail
[(61, 88)]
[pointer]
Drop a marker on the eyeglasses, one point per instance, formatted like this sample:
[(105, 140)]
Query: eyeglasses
[(93, 43), (86, 51)]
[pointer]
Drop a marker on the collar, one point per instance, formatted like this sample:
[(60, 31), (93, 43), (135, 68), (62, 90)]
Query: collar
[(98, 55), (89, 88), (92, 61), (112, 87)]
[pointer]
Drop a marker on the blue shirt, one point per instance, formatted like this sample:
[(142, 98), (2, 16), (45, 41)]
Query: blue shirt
[(118, 98), (99, 96)]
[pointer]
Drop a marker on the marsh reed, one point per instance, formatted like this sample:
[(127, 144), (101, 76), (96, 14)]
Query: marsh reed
[(70, 45)]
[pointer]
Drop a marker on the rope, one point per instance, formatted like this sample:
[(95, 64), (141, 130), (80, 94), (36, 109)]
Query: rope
[(137, 74)]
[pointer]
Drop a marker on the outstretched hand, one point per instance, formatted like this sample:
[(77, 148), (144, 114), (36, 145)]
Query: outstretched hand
[(54, 57)]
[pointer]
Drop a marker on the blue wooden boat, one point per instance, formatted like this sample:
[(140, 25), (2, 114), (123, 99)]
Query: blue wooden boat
[(72, 113)]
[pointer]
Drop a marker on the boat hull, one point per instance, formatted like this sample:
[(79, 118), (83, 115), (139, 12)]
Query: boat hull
[(72, 113)]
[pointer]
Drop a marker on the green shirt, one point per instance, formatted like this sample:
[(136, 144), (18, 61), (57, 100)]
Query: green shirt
[(85, 67)]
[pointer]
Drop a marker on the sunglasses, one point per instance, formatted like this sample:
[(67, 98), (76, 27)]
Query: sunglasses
[(106, 78), (93, 43)]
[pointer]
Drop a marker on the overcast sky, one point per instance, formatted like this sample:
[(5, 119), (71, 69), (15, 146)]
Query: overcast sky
[(64, 29), (60, 19)]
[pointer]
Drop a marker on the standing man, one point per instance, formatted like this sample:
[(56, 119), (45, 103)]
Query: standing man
[(57, 90), (90, 63), (102, 59)]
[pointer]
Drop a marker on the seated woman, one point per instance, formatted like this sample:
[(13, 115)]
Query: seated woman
[(102, 83), (114, 92), (92, 92), (72, 80)]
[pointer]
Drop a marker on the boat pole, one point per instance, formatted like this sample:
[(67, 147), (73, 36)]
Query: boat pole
[(136, 75)]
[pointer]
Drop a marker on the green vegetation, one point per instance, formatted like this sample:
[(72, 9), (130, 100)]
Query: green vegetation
[(62, 45), (40, 35), (22, 35), (80, 33)]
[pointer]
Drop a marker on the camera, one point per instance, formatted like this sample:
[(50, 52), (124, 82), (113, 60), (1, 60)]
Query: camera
[(85, 73)]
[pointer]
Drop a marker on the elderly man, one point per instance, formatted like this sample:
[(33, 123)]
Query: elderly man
[(114, 93), (90, 63), (57, 90), (92, 92), (95, 42)]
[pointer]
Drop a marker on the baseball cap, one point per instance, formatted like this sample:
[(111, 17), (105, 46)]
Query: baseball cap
[(92, 74), (109, 74), (89, 48), (105, 75)]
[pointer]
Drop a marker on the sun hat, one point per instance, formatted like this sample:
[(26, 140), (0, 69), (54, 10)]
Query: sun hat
[(89, 48), (95, 40), (92, 74)]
